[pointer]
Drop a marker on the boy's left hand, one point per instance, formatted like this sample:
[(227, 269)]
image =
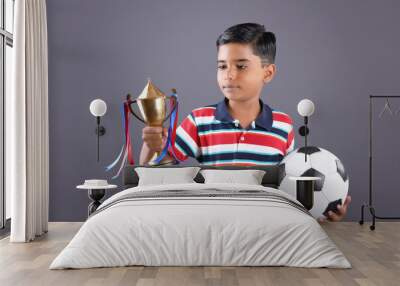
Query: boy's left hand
[(340, 214)]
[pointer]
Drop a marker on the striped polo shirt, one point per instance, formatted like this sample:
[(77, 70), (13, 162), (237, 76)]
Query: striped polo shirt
[(210, 135)]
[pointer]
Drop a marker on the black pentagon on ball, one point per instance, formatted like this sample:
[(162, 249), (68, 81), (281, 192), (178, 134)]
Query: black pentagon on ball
[(314, 173), (332, 206), (310, 150), (340, 169), (282, 173)]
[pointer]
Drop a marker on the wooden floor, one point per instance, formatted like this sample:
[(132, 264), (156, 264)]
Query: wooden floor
[(374, 255)]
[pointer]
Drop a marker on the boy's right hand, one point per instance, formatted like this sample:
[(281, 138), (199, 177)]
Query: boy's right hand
[(154, 137)]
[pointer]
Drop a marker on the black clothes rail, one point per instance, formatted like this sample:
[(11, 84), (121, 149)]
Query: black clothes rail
[(369, 205)]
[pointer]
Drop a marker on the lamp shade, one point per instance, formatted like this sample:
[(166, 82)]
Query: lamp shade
[(305, 107), (98, 107)]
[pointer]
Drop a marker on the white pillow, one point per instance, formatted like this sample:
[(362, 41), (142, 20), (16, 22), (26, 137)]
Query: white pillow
[(248, 177), (166, 176)]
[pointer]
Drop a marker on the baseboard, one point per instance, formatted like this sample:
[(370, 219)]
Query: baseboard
[(5, 231)]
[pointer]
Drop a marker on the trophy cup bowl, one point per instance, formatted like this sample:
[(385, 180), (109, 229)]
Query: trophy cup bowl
[(153, 110), (154, 113)]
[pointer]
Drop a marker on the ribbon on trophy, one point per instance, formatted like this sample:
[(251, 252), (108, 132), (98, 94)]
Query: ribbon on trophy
[(173, 122), (126, 150), (151, 94)]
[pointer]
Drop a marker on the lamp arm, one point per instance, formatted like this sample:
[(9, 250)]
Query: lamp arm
[(305, 138), (98, 139)]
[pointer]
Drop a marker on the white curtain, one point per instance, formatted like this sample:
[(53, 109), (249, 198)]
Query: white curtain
[(27, 122)]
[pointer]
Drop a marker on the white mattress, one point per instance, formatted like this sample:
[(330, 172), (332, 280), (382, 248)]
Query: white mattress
[(183, 231)]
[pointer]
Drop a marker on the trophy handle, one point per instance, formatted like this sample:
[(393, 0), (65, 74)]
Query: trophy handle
[(173, 108), (130, 101)]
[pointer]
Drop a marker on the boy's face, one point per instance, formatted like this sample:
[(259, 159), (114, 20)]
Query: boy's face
[(241, 74)]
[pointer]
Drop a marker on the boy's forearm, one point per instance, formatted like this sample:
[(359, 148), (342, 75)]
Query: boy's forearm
[(146, 155)]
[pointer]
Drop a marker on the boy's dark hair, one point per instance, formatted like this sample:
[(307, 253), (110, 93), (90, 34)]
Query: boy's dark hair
[(262, 42)]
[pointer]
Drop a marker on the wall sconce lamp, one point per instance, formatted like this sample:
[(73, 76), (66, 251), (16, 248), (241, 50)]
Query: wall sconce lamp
[(98, 108), (305, 108)]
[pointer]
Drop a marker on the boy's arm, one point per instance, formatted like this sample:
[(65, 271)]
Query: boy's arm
[(186, 144), (291, 144), (187, 140), (146, 154), (153, 141), (290, 140)]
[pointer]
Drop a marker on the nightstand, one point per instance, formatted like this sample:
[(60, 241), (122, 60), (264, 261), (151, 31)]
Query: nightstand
[(305, 190), (96, 190)]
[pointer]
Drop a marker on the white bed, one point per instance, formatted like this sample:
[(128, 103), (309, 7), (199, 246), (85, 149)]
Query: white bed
[(225, 225)]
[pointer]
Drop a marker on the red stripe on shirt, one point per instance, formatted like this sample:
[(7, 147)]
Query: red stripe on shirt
[(250, 138), (205, 111), (235, 164), (190, 128), (282, 117), (179, 154)]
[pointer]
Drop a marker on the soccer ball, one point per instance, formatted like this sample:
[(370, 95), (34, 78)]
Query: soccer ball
[(333, 185)]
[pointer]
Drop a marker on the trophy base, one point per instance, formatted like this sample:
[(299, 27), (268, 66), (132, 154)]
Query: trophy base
[(164, 161)]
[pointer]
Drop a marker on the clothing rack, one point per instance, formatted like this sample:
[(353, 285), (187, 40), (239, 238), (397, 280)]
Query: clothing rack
[(369, 205)]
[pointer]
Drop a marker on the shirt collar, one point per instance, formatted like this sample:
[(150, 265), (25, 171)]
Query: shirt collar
[(264, 119)]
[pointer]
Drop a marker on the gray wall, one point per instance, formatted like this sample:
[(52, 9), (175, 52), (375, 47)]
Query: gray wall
[(333, 52)]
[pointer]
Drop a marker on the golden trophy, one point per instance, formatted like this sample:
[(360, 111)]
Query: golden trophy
[(152, 107)]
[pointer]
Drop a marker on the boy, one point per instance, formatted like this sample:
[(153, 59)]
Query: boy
[(241, 129)]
